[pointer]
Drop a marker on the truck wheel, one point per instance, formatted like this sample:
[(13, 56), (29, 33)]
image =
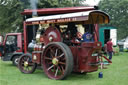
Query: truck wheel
[(57, 60), (26, 65), (15, 60)]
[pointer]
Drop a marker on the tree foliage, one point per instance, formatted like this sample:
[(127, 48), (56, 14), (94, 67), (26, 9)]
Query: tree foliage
[(59, 3), (118, 11), (11, 19)]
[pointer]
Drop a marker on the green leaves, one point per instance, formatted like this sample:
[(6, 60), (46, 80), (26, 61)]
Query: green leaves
[(11, 19), (118, 11), (58, 3)]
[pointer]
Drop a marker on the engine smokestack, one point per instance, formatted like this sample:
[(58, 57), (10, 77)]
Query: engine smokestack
[(33, 4)]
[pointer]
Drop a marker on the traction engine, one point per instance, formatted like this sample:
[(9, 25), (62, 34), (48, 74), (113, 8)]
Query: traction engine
[(60, 53)]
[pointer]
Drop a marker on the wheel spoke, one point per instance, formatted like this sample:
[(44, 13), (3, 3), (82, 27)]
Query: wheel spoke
[(28, 59), (64, 59), (23, 59), (62, 63), (27, 68), (54, 69), (50, 63), (51, 52), (47, 58), (62, 69), (31, 64), (61, 55), (56, 72), (50, 67), (56, 52)]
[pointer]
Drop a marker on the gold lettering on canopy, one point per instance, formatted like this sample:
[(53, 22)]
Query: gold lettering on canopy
[(81, 18), (51, 21), (42, 22), (35, 22)]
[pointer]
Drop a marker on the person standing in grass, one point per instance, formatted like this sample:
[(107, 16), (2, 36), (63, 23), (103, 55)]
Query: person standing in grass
[(110, 48)]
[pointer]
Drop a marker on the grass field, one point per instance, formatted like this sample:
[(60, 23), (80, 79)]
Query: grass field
[(116, 74)]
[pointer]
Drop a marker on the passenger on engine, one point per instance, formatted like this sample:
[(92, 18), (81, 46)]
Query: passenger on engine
[(72, 29), (88, 36)]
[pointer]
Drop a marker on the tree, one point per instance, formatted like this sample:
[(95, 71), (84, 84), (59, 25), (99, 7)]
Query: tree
[(59, 3), (10, 17), (118, 11)]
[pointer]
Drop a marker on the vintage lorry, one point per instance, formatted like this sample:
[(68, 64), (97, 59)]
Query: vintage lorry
[(11, 47), (57, 45)]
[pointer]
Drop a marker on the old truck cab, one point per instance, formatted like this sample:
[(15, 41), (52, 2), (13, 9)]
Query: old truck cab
[(11, 47)]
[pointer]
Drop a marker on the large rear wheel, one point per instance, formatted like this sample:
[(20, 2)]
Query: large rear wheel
[(57, 60), (26, 65)]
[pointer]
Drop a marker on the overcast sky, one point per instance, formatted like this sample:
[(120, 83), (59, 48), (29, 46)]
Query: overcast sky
[(92, 2)]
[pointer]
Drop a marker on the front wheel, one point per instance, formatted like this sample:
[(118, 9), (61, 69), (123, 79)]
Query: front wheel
[(26, 65), (57, 60)]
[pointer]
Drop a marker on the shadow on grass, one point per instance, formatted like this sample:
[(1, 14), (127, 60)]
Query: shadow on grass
[(77, 77), (71, 77)]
